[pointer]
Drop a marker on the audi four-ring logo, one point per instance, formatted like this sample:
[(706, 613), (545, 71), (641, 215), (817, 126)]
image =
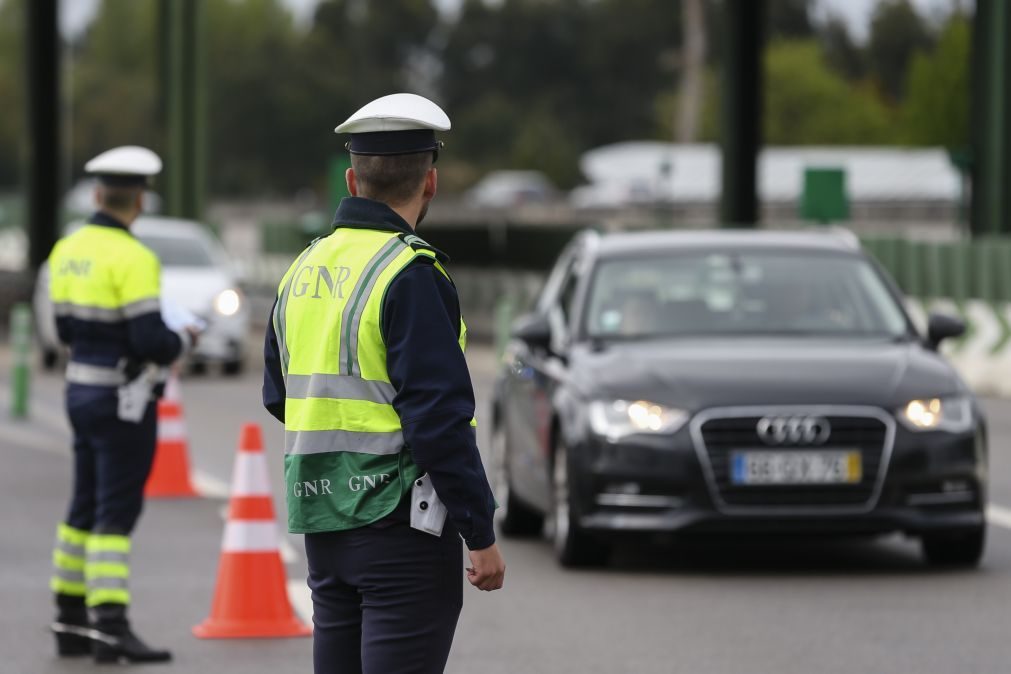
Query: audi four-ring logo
[(793, 430)]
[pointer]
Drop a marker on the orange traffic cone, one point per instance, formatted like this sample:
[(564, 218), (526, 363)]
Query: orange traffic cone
[(170, 473), (251, 598)]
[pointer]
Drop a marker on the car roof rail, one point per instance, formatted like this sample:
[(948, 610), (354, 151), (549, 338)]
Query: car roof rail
[(844, 235)]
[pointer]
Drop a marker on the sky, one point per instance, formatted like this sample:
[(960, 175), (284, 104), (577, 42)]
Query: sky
[(77, 13)]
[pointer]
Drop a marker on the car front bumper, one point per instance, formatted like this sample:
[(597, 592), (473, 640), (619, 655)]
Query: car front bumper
[(933, 481)]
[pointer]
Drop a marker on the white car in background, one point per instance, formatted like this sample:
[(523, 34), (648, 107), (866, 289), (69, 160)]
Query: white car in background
[(196, 275)]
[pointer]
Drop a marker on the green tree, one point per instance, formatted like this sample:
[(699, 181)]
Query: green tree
[(936, 109), (789, 19), (842, 54), (256, 100), (806, 103), (114, 80), (897, 32)]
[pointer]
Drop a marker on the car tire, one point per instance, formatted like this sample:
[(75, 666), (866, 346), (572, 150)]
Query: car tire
[(954, 549), (574, 547), (232, 367), (515, 518)]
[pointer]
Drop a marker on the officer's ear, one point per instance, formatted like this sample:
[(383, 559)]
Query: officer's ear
[(431, 184), (349, 177)]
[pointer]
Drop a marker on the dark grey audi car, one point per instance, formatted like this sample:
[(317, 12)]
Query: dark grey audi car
[(733, 382)]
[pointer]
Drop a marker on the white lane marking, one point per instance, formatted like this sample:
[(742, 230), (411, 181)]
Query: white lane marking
[(301, 599), (999, 516), (209, 486)]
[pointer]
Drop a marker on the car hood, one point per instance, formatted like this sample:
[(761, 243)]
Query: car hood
[(696, 374), (194, 288)]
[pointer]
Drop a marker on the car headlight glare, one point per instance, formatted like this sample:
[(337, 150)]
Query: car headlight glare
[(618, 418), (227, 302), (952, 414)]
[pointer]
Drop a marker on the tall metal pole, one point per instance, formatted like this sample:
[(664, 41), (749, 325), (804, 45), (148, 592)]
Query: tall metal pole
[(184, 102), (742, 110), (991, 103), (43, 174)]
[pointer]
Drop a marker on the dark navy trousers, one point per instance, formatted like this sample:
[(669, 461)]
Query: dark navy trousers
[(112, 459), (386, 598)]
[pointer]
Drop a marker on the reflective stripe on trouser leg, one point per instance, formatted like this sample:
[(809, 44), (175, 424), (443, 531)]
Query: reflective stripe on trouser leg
[(107, 569), (69, 561)]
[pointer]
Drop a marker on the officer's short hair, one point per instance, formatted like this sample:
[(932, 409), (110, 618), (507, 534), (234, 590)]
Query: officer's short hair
[(393, 180), (118, 198)]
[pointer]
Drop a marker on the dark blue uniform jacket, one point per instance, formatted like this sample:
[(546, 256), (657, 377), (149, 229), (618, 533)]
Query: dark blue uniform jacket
[(435, 399)]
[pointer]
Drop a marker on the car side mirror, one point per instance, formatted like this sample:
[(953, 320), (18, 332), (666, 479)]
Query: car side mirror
[(534, 330), (943, 326)]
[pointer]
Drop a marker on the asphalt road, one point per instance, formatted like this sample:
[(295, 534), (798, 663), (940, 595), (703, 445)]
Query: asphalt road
[(722, 607)]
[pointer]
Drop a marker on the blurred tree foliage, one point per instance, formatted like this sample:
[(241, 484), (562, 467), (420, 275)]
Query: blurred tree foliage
[(897, 33), (113, 82), (805, 102), (937, 89), (11, 92), (528, 83)]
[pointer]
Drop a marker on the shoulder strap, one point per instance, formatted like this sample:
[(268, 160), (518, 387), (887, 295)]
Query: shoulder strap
[(423, 247)]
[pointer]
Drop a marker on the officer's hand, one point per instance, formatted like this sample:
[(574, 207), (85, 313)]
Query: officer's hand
[(487, 570), (194, 334)]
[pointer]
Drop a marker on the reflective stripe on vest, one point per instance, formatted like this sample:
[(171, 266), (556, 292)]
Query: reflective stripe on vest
[(94, 375), (346, 464)]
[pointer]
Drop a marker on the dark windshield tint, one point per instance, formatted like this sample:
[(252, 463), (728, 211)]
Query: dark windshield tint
[(179, 252), (709, 293)]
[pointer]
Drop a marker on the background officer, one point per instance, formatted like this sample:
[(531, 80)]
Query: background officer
[(104, 285), (365, 367)]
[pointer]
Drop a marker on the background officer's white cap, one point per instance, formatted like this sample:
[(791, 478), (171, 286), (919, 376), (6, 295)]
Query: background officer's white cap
[(126, 165), (395, 124)]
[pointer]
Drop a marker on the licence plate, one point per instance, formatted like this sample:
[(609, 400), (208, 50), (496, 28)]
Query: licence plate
[(799, 467)]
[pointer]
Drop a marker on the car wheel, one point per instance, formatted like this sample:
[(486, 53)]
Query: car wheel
[(960, 548), (232, 367), (573, 546), (514, 517), (198, 367)]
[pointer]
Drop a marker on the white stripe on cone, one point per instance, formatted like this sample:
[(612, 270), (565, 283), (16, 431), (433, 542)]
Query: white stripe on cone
[(246, 536), (172, 392), (171, 429), (249, 476)]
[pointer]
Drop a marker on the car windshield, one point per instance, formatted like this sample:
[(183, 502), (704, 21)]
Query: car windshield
[(749, 293), (176, 251)]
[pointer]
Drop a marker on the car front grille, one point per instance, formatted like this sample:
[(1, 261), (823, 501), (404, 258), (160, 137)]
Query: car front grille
[(717, 434)]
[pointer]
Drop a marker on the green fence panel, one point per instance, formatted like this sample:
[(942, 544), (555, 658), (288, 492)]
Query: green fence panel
[(981, 271)]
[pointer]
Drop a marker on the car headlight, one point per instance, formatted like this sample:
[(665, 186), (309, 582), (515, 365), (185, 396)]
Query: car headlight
[(619, 418), (952, 414), (227, 302)]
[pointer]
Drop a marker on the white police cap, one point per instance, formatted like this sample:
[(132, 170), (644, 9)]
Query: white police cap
[(395, 124), (124, 165)]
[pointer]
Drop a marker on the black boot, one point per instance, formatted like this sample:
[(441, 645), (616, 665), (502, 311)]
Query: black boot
[(116, 642), (71, 627)]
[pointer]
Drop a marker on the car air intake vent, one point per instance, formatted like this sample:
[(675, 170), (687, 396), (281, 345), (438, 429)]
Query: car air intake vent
[(720, 437)]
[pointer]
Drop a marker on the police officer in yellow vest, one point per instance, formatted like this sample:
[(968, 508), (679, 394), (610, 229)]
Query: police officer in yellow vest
[(365, 367), (104, 285)]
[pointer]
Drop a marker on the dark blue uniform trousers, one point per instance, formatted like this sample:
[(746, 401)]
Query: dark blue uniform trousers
[(386, 599), (112, 459)]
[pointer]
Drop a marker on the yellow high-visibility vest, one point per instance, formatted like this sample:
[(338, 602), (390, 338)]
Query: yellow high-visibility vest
[(346, 464)]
